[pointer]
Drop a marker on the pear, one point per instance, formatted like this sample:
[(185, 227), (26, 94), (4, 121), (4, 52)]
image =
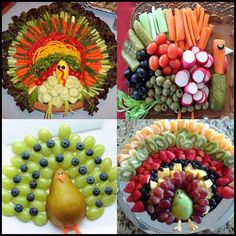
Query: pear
[(65, 204)]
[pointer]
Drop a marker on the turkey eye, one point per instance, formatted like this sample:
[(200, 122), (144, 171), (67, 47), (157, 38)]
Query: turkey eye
[(58, 173), (61, 173), (58, 67), (63, 67)]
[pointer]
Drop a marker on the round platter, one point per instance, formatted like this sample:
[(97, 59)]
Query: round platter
[(213, 220)]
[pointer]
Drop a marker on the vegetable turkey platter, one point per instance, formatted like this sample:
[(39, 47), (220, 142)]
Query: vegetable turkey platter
[(58, 58), (98, 223), (180, 61)]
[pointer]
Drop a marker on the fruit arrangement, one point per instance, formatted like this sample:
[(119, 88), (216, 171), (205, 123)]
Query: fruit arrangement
[(51, 43), (166, 50), (177, 171), (61, 179)]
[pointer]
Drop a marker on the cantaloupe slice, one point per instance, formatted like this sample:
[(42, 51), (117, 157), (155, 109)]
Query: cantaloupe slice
[(191, 125), (209, 134), (155, 129), (132, 152), (127, 146), (123, 151), (122, 157), (224, 143), (133, 139), (173, 126), (134, 144), (181, 124), (146, 131), (165, 124), (218, 137), (159, 124)]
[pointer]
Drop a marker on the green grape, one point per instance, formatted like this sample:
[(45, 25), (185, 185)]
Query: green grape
[(74, 139), (96, 175), (108, 200), (16, 161), (20, 200), (94, 212), (32, 166), (19, 147), (40, 219), (6, 196), (30, 140), (112, 173), (81, 181), (8, 209), (8, 183), (91, 200), (90, 165), (102, 185), (40, 195), (9, 171), (37, 204), (45, 150), (82, 156), (64, 131), (24, 216), (57, 149), (88, 190), (43, 183), (34, 156), (106, 164), (113, 185), (89, 142), (46, 173), (24, 189), (68, 156), (44, 135), (52, 163), (98, 150), (25, 177), (73, 172)]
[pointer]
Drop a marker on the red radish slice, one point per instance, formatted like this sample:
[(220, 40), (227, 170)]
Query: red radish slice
[(200, 85), (205, 89), (182, 78), (198, 74), (198, 96), (193, 68), (195, 49), (204, 99), (225, 65), (202, 58), (191, 88), (209, 61), (188, 59), (207, 76), (186, 100)]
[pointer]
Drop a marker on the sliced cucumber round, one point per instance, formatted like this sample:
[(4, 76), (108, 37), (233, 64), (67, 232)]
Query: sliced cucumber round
[(48, 86), (52, 81), (54, 93), (43, 89), (46, 97), (58, 88), (73, 92), (72, 100), (40, 98), (70, 83), (57, 102), (64, 97)]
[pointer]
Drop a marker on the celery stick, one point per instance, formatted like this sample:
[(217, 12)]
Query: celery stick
[(151, 20), (161, 21), (143, 18), (154, 19)]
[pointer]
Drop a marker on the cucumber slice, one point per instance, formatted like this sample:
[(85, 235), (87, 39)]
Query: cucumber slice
[(80, 87), (72, 100), (58, 88), (142, 33), (137, 44), (54, 93), (153, 29), (43, 89), (46, 97), (161, 21), (65, 91), (73, 92), (70, 83), (143, 18), (132, 63), (40, 98), (57, 102), (65, 97), (52, 81)]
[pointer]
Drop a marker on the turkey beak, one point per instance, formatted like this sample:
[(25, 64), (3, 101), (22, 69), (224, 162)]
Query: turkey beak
[(61, 178)]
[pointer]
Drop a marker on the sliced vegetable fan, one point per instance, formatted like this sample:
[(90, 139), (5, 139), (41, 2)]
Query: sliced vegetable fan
[(58, 55)]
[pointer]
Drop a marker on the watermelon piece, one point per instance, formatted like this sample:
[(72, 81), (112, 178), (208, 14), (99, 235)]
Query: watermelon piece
[(190, 157), (136, 195), (155, 156), (140, 170), (130, 187), (226, 171), (213, 168), (227, 192), (182, 157), (155, 165), (219, 190), (170, 155), (135, 178), (148, 166), (130, 198), (222, 181), (163, 155), (198, 158), (207, 158), (178, 152), (231, 185), (201, 153), (205, 164), (138, 207), (219, 172), (138, 186), (219, 165), (149, 160), (143, 179)]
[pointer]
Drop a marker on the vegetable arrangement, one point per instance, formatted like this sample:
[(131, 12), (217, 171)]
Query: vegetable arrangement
[(50, 42), (165, 53)]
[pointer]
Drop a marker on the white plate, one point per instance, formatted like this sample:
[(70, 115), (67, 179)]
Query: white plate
[(105, 133)]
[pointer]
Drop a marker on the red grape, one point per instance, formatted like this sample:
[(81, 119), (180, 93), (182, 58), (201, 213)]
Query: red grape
[(164, 185), (194, 184), (167, 179), (199, 209), (197, 218), (158, 192), (203, 202), (176, 175), (177, 182), (169, 193), (165, 210), (183, 175), (162, 217), (189, 178), (171, 187), (164, 203), (203, 194), (153, 200), (170, 219), (150, 208)]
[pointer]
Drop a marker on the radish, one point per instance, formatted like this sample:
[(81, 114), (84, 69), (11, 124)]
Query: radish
[(182, 78), (198, 96), (198, 74), (225, 65), (191, 88), (201, 58), (204, 99), (188, 59), (186, 100), (207, 76), (200, 85), (195, 49), (193, 68), (209, 61), (205, 89)]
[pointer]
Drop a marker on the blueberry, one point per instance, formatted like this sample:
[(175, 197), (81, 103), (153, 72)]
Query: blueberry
[(134, 78), (212, 203), (15, 192), (142, 190), (99, 203), (23, 168), (151, 73), (141, 55), (153, 217), (103, 176), (213, 187), (145, 196), (96, 192), (25, 155), (127, 73), (108, 190), (50, 143), (35, 174), (18, 208), (80, 146), (33, 184), (206, 177), (89, 152), (43, 162), (17, 179), (211, 176), (142, 90), (141, 73), (33, 211), (98, 160), (75, 161), (82, 170), (90, 180), (59, 158), (130, 84), (37, 147), (136, 95), (153, 173), (217, 199), (144, 64), (152, 178), (30, 197), (65, 143)]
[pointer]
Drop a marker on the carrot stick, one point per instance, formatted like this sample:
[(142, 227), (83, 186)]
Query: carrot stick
[(205, 20), (202, 38), (179, 26), (186, 30), (182, 45), (192, 115), (201, 17), (198, 10), (171, 24), (194, 25), (195, 13), (208, 34), (187, 14), (179, 115)]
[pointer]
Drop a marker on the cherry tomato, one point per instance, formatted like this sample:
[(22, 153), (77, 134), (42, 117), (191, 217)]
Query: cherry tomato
[(172, 51), (168, 42), (72, 72), (54, 67), (175, 64), (49, 71), (44, 76), (160, 39), (77, 75), (162, 49), (153, 62), (166, 70), (163, 60), (180, 52), (38, 82), (151, 48)]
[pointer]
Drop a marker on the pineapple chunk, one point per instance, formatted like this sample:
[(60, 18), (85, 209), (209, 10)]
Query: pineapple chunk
[(166, 171), (153, 184), (188, 167), (208, 183), (193, 172), (160, 180), (210, 194), (201, 174), (177, 167), (201, 183), (172, 173), (160, 174)]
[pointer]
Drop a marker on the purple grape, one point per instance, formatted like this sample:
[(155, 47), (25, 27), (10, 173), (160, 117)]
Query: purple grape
[(165, 203), (170, 219), (168, 194), (199, 209)]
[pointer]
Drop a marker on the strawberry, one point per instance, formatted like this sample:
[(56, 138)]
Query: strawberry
[(155, 165), (227, 192), (155, 156), (163, 155), (190, 157), (136, 196), (140, 170), (170, 155), (214, 163), (201, 153), (182, 157), (198, 158), (135, 178), (172, 149), (219, 165), (149, 160), (146, 172), (157, 161), (138, 207), (191, 151), (130, 187), (222, 181), (207, 158), (148, 166), (231, 185), (219, 191), (143, 179), (212, 168), (219, 172), (226, 171)]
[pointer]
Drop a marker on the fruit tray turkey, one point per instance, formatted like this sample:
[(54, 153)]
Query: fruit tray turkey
[(177, 177), (180, 61), (58, 57)]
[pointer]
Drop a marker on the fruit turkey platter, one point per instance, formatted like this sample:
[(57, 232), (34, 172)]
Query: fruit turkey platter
[(177, 177), (62, 179), (58, 58), (179, 61)]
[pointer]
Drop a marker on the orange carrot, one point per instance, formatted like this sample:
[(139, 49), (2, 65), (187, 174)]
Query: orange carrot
[(202, 38), (182, 44), (64, 25), (194, 25), (208, 34), (198, 11), (186, 30), (195, 13), (179, 26), (22, 72), (54, 24), (179, 115), (75, 30), (218, 50), (177, 43), (192, 115), (187, 14), (27, 80), (186, 46), (171, 24), (200, 19)]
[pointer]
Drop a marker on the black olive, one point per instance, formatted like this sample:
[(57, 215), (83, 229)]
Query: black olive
[(127, 73), (141, 73), (144, 65), (141, 55), (134, 78)]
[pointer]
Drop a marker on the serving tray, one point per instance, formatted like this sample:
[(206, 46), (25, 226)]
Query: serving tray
[(222, 17)]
